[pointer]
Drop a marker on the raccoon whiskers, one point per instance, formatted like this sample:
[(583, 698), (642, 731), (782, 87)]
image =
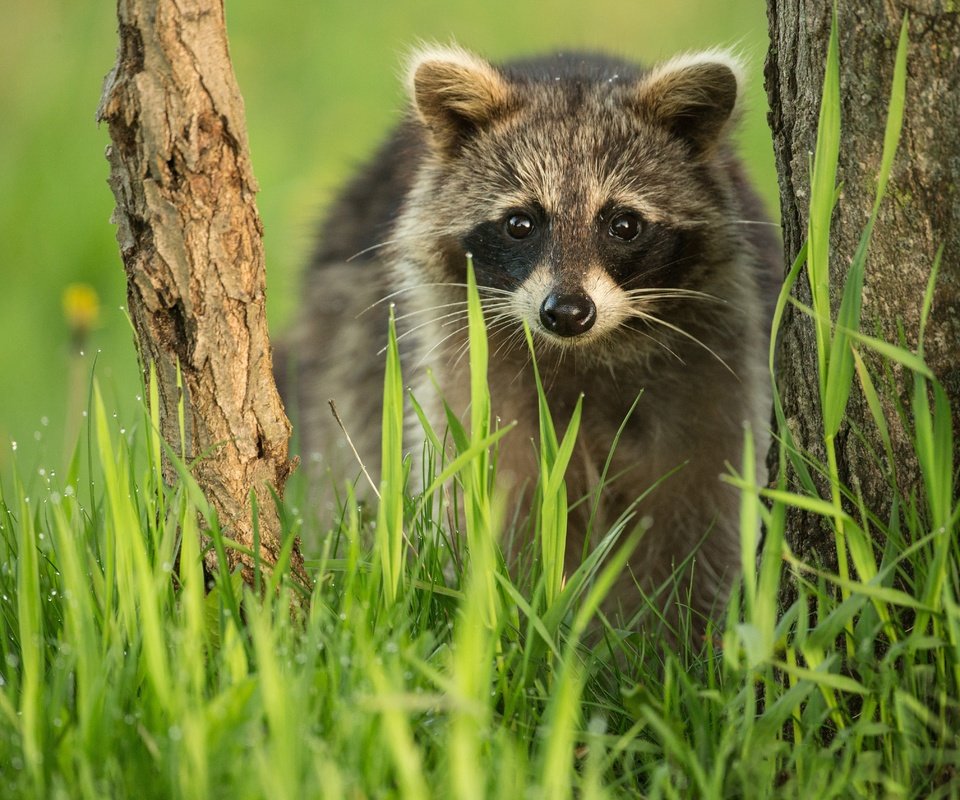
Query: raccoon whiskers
[(555, 372), (650, 318), (395, 293), (647, 273), (493, 308), (380, 245), (495, 324), (428, 309), (515, 340), (373, 247), (444, 320), (653, 294), (426, 355), (457, 316), (452, 318), (655, 340), (502, 321), (753, 222), (419, 286)]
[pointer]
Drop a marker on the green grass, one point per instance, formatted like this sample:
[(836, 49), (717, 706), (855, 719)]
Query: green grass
[(425, 675), (421, 667)]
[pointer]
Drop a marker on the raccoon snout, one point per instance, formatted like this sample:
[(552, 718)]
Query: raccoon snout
[(568, 314)]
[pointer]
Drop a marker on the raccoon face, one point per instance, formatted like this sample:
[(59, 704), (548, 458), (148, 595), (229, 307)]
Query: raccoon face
[(590, 195)]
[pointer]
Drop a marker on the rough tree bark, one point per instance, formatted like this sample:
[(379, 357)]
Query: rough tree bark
[(920, 213), (190, 237)]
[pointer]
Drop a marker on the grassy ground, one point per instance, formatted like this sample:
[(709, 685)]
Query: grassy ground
[(413, 672), (421, 668)]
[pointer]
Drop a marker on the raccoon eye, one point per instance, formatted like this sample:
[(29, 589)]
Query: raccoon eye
[(625, 226), (519, 226)]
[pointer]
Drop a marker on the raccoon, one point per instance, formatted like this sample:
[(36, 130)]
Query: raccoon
[(601, 203)]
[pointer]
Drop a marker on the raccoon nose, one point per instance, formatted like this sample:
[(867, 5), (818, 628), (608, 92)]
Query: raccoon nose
[(568, 314)]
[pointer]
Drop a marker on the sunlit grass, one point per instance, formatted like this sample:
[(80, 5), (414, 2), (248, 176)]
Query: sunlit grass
[(428, 664)]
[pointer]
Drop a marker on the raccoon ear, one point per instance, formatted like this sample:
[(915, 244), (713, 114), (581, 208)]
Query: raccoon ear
[(455, 93), (693, 96)]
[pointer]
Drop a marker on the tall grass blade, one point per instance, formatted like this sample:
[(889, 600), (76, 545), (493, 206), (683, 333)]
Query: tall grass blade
[(822, 188), (390, 512), (139, 588), (840, 360), (30, 634)]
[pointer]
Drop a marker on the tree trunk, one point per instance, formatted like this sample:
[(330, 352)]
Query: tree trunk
[(921, 212), (190, 237)]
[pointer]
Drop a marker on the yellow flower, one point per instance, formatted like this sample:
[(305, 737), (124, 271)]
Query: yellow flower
[(81, 307)]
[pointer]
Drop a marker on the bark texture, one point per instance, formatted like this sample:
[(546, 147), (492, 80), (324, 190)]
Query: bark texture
[(190, 237), (920, 213)]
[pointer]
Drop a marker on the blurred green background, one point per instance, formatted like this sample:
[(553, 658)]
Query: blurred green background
[(320, 82)]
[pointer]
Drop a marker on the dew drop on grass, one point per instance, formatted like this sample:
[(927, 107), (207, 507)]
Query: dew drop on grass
[(13, 446)]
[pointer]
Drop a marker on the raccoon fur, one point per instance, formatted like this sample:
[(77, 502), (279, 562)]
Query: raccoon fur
[(602, 204)]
